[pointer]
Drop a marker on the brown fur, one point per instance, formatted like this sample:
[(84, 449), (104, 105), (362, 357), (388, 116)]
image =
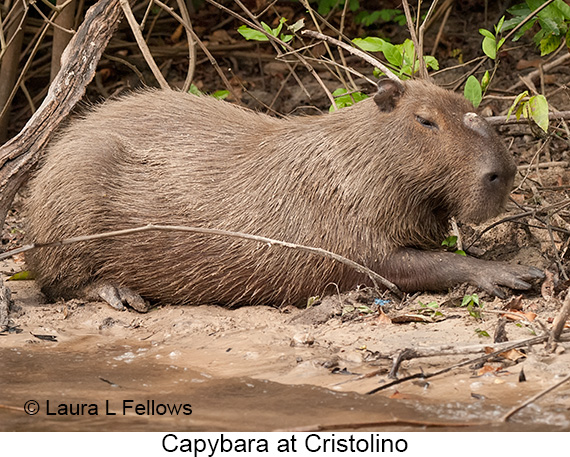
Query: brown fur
[(363, 182)]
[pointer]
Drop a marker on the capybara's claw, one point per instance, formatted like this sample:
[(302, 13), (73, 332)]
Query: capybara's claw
[(118, 297)]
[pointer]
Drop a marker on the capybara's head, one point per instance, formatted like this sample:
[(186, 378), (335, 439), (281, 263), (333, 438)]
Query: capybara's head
[(450, 156)]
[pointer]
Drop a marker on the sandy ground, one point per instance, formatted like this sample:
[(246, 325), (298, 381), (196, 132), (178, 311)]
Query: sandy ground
[(337, 348)]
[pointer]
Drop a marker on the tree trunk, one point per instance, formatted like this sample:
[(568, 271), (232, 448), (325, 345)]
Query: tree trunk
[(78, 66)]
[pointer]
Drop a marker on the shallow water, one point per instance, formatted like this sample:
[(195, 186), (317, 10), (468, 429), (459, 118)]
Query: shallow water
[(124, 390)]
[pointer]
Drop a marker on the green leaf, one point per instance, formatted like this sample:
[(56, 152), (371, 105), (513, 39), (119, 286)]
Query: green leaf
[(549, 25), (501, 42), (431, 62), (549, 44), (393, 54), (520, 10), (277, 31), (516, 102), (539, 111), (486, 33), (482, 333), (344, 99), (564, 8), (297, 25), (194, 90), (523, 29), (370, 44), (266, 28), (389, 14), (250, 34), (473, 91), (490, 47), (450, 241), (470, 299), (512, 23), (499, 26), (461, 252), (485, 80), (22, 276), (367, 18), (221, 94)]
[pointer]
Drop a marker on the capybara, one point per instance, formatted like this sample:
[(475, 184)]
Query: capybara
[(376, 183)]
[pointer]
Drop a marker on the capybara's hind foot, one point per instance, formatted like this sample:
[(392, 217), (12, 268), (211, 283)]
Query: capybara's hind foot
[(118, 297)]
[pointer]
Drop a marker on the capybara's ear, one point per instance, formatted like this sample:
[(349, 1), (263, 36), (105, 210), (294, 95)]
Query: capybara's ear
[(388, 95)]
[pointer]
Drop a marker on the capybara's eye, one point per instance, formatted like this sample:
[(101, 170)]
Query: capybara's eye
[(427, 123)]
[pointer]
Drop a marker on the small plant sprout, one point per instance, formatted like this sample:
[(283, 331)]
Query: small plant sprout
[(450, 242), (430, 309), (554, 22), (474, 307), (400, 56), (343, 98), (535, 108), (492, 42), (482, 333), (251, 34)]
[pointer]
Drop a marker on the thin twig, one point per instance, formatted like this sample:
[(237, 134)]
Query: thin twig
[(494, 120), (513, 411), (410, 353), (327, 47), (421, 36), (357, 52), (413, 34), (142, 44), (204, 49), (560, 320), (187, 24), (374, 277), (449, 7)]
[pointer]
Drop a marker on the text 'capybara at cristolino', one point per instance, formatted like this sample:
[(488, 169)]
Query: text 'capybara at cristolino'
[(376, 183)]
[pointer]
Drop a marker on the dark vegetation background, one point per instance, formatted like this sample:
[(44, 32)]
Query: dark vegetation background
[(258, 80), (33, 36)]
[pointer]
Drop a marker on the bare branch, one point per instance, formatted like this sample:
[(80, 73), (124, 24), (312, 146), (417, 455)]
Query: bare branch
[(357, 52), (374, 277), (142, 44)]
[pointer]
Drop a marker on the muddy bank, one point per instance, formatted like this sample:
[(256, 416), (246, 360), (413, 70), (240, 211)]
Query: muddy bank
[(259, 368)]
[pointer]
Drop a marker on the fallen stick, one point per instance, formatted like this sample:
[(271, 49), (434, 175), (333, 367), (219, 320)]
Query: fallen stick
[(374, 277)]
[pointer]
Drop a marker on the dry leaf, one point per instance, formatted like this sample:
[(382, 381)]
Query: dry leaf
[(486, 369), (175, 37), (547, 288), (514, 304), (523, 64), (515, 315), (383, 318), (513, 354), (400, 396)]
